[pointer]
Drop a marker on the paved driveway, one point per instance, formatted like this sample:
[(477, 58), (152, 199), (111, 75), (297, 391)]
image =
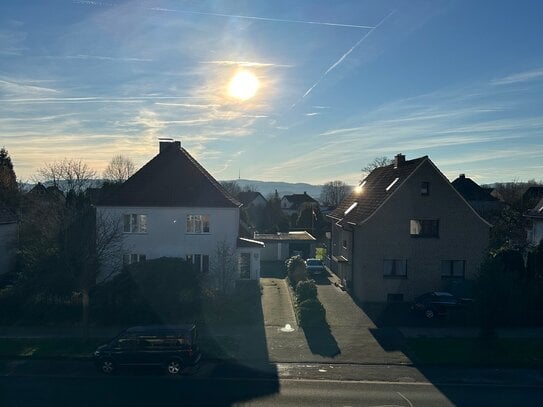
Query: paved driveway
[(359, 340)]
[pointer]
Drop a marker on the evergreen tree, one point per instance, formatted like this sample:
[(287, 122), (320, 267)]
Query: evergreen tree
[(8, 180)]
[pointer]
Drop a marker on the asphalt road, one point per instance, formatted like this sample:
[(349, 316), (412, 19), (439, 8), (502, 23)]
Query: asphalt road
[(156, 390)]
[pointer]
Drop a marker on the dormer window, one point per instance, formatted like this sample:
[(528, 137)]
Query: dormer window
[(425, 188)]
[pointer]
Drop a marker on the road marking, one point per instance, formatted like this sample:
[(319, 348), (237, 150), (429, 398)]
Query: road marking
[(406, 399)]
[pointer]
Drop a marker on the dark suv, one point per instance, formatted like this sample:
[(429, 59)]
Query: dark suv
[(172, 347), (438, 303)]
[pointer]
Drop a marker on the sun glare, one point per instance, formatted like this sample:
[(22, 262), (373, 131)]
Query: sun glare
[(243, 85)]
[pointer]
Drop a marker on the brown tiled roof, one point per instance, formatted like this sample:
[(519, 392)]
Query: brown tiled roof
[(172, 178), (373, 192), (471, 191)]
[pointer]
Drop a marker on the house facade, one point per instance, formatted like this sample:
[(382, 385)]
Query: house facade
[(172, 207), (252, 199), (8, 234), (535, 230), (405, 231), (295, 203)]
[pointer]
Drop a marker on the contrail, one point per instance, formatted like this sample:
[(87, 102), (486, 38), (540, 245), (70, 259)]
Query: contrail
[(270, 19), (244, 17), (342, 58)]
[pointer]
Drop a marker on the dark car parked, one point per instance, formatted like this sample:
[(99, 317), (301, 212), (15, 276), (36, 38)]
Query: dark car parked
[(438, 303), (315, 267), (172, 347)]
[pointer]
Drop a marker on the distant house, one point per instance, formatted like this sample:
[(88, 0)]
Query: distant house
[(404, 231), (282, 245), (252, 199), (532, 196), (535, 230), (173, 207), (295, 203), (8, 234), (479, 198)]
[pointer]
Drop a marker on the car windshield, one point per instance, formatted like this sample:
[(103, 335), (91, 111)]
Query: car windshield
[(343, 198)]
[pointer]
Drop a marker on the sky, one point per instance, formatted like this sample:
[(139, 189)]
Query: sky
[(340, 83)]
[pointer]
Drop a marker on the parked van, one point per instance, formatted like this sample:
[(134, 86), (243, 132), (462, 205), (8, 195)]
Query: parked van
[(172, 347)]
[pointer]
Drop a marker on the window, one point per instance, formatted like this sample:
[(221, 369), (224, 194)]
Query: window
[(131, 258), (425, 188), (197, 224), (395, 268), (134, 223), (424, 227), (200, 262), (453, 268), (245, 265)]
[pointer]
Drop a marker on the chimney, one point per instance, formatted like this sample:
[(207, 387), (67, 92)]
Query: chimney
[(399, 160), (462, 176), (165, 143)]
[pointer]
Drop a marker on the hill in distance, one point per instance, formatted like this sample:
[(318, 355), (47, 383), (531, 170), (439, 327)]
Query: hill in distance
[(283, 188)]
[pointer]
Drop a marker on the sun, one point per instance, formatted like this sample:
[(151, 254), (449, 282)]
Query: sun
[(243, 85)]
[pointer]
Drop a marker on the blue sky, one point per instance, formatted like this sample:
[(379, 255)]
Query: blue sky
[(341, 82)]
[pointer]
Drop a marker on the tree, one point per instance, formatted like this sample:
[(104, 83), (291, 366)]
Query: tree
[(232, 187), (119, 169), (334, 192), (8, 180), (63, 252), (68, 174), (376, 163), (223, 268)]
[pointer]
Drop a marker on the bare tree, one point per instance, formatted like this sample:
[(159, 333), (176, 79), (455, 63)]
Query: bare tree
[(334, 192), (119, 169), (376, 163), (68, 174), (232, 187), (224, 270)]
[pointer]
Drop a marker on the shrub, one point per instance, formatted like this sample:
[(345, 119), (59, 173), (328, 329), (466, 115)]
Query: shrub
[(306, 290), (296, 270), (159, 290), (311, 313)]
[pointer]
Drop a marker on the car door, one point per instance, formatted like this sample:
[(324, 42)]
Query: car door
[(125, 351)]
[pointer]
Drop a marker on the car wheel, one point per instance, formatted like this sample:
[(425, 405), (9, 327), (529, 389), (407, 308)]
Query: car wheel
[(429, 313), (108, 366), (174, 367)]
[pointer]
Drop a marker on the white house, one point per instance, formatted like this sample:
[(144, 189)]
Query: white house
[(172, 207), (535, 230)]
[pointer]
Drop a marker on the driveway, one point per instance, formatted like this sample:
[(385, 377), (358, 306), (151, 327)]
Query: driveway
[(359, 340)]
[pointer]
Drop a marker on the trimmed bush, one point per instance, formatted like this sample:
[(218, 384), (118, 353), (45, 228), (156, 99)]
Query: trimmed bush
[(160, 290), (306, 290), (296, 270), (311, 313)]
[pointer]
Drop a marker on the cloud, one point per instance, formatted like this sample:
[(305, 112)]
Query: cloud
[(23, 88), (526, 76), (101, 58)]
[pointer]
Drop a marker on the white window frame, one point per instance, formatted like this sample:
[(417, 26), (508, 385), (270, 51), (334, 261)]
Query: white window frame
[(203, 267), (131, 258), (453, 269), (134, 223), (395, 268), (198, 224)]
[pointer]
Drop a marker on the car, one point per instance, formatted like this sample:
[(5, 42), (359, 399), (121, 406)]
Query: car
[(438, 303), (315, 266), (172, 347)]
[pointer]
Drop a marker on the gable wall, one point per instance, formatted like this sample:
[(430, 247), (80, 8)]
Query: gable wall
[(166, 231), (386, 235)]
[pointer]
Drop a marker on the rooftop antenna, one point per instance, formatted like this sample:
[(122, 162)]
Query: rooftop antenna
[(239, 173)]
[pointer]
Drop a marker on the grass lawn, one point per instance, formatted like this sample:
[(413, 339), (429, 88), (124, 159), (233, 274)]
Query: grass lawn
[(220, 347), (498, 352)]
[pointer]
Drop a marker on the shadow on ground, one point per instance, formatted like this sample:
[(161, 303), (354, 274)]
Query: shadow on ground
[(321, 341)]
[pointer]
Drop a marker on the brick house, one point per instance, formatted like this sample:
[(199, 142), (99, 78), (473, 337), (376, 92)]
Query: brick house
[(405, 231)]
